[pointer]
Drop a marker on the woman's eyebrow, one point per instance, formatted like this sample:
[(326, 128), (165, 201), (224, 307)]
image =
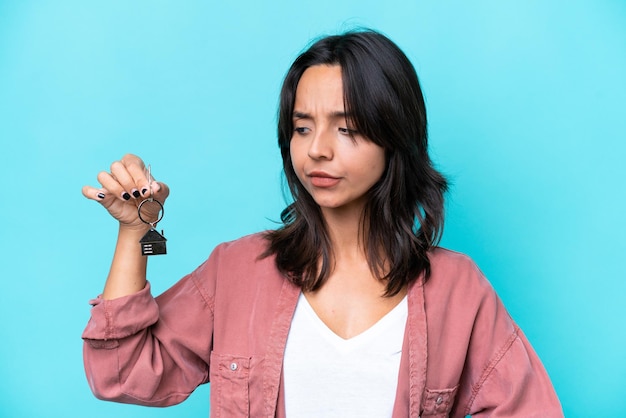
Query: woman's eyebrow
[(301, 115), (339, 114)]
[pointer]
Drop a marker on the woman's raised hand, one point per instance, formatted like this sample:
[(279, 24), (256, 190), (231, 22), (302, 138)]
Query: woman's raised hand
[(124, 188)]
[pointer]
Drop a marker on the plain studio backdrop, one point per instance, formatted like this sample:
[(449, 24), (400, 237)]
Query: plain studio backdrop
[(527, 118)]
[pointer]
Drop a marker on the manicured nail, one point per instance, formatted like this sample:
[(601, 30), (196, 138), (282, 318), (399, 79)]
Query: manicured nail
[(136, 193), (126, 196), (144, 191), (100, 195)]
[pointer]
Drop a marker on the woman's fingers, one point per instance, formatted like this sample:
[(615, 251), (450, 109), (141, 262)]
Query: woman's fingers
[(116, 182), (136, 178), (127, 179), (125, 187), (139, 174), (123, 174), (161, 191), (94, 194)]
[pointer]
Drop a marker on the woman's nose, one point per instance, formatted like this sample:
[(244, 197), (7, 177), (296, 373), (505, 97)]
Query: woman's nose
[(321, 146)]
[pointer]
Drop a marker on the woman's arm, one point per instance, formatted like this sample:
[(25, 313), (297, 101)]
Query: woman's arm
[(123, 189), (147, 351), (139, 349)]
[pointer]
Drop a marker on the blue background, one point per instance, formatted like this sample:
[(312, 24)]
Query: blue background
[(526, 105)]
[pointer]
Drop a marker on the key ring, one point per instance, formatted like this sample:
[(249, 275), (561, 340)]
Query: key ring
[(150, 199), (152, 242), (161, 211)]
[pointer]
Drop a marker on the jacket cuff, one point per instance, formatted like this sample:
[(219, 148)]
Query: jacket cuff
[(121, 317)]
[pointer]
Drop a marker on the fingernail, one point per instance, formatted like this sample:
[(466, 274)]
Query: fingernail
[(144, 191), (100, 195), (136, 193), (126, 196)]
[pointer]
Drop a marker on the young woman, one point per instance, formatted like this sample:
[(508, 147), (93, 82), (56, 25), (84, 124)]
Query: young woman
[(349, 309)]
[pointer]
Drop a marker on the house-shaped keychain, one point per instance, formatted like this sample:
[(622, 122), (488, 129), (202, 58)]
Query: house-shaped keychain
[(153, 243)]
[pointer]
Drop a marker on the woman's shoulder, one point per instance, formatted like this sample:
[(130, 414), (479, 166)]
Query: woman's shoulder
[(455, 272), (458, 296), (445, 259), (238, 262), (244, 255), (247, 244)]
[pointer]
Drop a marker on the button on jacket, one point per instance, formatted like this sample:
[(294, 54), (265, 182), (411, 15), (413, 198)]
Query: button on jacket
[(227, 323)]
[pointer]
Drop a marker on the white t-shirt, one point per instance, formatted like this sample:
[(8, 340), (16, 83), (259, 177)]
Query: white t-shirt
[(330, 377)]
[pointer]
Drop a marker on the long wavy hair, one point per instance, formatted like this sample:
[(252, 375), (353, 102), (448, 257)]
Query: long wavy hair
[(404, 213)]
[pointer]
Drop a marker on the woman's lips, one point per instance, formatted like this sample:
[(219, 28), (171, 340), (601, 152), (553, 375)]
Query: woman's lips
[(322, 179)]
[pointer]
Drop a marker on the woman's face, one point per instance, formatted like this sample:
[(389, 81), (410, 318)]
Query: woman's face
[(334, 163)]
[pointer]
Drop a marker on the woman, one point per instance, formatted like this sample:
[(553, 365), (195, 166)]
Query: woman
[(348, 309)]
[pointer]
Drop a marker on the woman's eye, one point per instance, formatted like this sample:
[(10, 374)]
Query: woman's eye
[(301, 130), (347, 131)]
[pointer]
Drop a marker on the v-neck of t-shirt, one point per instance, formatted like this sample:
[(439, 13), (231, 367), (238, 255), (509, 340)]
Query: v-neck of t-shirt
[(396, 317)]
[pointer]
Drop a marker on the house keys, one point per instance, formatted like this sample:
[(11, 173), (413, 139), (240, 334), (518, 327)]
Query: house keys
[(152, 243)]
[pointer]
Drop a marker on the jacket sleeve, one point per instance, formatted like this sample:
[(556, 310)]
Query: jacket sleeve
[(505, 377), (471, 332), (515, 384), (147, 351)]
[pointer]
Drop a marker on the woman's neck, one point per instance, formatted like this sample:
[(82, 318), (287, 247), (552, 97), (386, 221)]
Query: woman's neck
[(347, 234)]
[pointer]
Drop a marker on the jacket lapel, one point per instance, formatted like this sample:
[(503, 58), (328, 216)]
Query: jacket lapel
[(413, 363), (272, 377)]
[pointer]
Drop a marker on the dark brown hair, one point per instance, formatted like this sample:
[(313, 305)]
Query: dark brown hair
[(404, 213)]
